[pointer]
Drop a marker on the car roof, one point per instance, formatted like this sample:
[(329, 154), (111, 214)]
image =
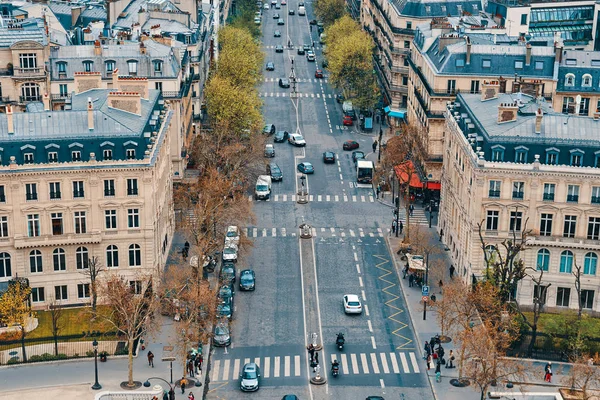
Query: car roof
[(306, 163), (232, 228), (250, 366), (247, 272), (351, 297), (329, 152)]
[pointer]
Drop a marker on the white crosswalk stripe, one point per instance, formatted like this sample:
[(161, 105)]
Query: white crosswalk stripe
[(282, 198), (286, 94), (256, 232)]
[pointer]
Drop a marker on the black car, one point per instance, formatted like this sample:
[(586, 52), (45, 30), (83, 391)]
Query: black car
[(281, 136), (350, 145), (301, 51), (279, 49), (269, 129), (228, 272), (329, 157), (290, 397), (291, 12), (247, 280), (357, 155), (274, 171), (270, 66), (284, 82)]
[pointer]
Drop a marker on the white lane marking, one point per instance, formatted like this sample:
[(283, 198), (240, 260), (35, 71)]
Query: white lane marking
[(360, 281), (371, 199), (293, 197), (296, 365), (215, 374), (373, 343), (257, 361), (322, 229), (285, 197), (310, 198), (283, 232), (319, 198), (314, 231), (226, 370), (380, 232), (341, 177), (394, 363), (332, 231), (267, 367), (364, 297), (355, 257), (337, 198), (254, 232), (286, 367), (404, 363), (352, 234), (371, 234), (328, 198), (343, 234), (382, 384), (384, 363), (264, 232), (414, 362), (246, 360), (236, 368), (274, 232), (357, 266), (345, 197), (276, 367), (276, 197), (362, 198), (365, 365), (366, 310), (370, 325), (344, 364), (374, 363), (354, 363), (354, 199)]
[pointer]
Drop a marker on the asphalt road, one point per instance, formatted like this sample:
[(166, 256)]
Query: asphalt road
[(301, 282)]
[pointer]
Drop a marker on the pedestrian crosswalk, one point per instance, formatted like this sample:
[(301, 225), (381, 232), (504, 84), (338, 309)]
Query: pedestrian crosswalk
[(343, 198), (228, 369), (317, 232), (272, 47), (289, 94), (299, 80)]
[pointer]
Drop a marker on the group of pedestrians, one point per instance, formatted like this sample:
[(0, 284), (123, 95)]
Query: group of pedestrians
[(314, 357), (436, 356)]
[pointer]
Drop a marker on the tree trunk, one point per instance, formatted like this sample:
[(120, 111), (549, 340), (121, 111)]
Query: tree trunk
[(130, 359), (407, 235), (56, 345), (94, 298), (460, 360), (23, 344)]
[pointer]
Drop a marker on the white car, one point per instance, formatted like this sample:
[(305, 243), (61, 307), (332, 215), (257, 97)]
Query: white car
[(352, 304), (266, 6), (232, 236), (297, 140), (230, 253)]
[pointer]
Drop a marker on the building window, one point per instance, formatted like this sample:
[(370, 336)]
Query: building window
[(80, 222), (577, 158), (516, 219), (492, 220), (566, 262), (523, 19), (158, 86), (408, 24), (63, 90), (37, 295), (107, 154), (451, 86), (569, 80), (521, 156), (4, 226), (133, 218), (474, 86), (83, 290), (590, 262), (55, 190), (60, 293), (543, 260), (539, 293), (130, 154), (132, 66), (587, 299), (35, 262), (552, 157), (518, 64), (76, 155), (136, 286), (584, 106), (132, 187), (59, 260), (30, 92), (28, 158), (31, 191), (597, 158), (562, 296), (586, 81), (28, 60), (404, 81), (2, 194), (5, 266), (498, 154), (88, 66), (33, 225), (573, 193), (110, 67), (494, 189), (135, 255), (407, 44), (518, 190), (546, 225), (62, 68), (593, 228), (109, 187), (569, 226), (539, 65), (486, 64), (78, 189), (57, 223), (112, 256), (52, 156), (549, 189), (110, 216), (82, 258), (158, 67), (568, 102), (595, 195)]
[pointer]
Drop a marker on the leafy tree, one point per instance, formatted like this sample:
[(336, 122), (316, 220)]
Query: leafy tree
[(93, 268), (240, 58), (56, 313), (340, 30), (15, 310), (329, 11), (244, 17)]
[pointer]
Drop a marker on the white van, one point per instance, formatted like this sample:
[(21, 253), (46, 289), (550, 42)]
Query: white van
[(301, 10), (322, 38), (262, 190)]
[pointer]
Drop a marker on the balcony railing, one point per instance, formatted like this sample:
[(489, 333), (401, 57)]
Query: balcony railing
[(22, 72), (595, 200), (61, 96), (549, 196), (2, 198), (31, 196), (518, 195), (425, 107), (494, 194), (572, 198), (28, 99), (55, 195)]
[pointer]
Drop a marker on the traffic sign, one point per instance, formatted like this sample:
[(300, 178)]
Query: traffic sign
[(425, 291), (425, 298)]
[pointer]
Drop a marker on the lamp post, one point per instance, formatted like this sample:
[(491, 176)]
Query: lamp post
[(96, 385), (171, 390), (293, 78)]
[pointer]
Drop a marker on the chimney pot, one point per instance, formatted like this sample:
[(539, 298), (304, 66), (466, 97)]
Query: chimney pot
[(9, 119), (539, 116), (468, 40), (46, 101), (528, 54), (90, 113)]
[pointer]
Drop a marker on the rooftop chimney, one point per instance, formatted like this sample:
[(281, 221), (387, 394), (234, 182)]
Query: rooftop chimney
[(46, 101), (468, 40), (115, 79), (528, 54), (558, 52), (507, 112), (142, 48), (97, 48), (9, 119), (489, 90), (130, 102), (90, 113), (539, 116)]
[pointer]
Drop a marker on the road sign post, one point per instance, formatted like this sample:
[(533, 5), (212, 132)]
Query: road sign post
[(425, 291)]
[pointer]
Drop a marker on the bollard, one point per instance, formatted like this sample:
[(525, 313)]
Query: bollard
[(305, 231)]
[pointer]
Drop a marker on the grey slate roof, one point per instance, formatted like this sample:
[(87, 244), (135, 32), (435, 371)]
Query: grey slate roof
[(173, 27), (429, 8), (579, 63), (32, 29)]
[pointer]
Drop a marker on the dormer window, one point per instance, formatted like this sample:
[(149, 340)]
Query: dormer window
[(107, 154), (158, 67), (76, 155), (552, 156), (62, 69), (28, 158), (576, 158), (521, 154), (132, 67), (569, 80), (586, 81), (498, 153), (130, 154), (88, 66), (110, 67), (52, 156)]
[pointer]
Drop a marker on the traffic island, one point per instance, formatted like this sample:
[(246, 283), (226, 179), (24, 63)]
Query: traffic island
[(318, 379)]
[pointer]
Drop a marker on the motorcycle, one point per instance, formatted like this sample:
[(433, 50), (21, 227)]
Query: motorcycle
[(335, 370), (340, 341)]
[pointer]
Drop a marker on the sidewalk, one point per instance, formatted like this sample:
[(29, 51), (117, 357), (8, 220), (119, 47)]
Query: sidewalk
[(425, 329)]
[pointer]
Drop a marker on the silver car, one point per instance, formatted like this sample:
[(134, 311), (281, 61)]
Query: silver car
[(222, 334), (250, 378), (230, 253)]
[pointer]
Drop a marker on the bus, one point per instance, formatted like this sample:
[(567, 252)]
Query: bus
[(364, 171)]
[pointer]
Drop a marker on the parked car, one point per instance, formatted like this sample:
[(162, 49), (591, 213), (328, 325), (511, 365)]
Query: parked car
[(270, 66), (250, 378), (266, 6), (329, 157), (228, 272), (225, 292), (279, 48), (222, 335), (277, 6), (257, 20), (319, 73), (350, 145), (291, 11), (306, 47), (269, 129), (357, 155), (281, 136), (301, 51), (269, 150), (352, 304), (225, 309), (232, 236), (274, 171), (284, 82), (247, 280), (283, 3), (277, 34), (313, 22), (347, 121), (297, 140), (280, 21), (306, 168), (230, 253)]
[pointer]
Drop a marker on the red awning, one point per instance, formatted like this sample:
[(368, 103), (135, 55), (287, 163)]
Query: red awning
[(404, 170), (434, 185)]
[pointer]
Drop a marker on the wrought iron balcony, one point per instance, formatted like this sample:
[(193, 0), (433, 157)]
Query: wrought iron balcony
[(549, 196), (494, 193), (29, 72), (572, 198), (518, 195)]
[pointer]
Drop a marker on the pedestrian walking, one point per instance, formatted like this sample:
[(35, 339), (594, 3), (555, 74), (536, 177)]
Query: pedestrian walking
[(428, 362), (317, 357), (452, 269), (378, 190), (191, 396), (548, 377), (394, 226), (374, 146), (190, 368), (182, 383), (401, 227), (405, 271), (311, 351), (411, 280), (438, 367), (150, 359), (197, 365), (427, 348), (451, 359), (411, 208)]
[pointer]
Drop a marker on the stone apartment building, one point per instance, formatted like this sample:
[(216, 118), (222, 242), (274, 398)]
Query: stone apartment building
[(91, 181), (512, 163), (578, 86)]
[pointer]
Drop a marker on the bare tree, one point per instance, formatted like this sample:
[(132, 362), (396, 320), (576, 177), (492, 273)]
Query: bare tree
[(446, 309), (55, 308), (130, 305), (583, 376), (577, 273), (93, 268)]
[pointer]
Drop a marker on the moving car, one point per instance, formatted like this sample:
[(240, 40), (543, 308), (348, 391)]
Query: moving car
[(301, 10), (280, 21), (230, 253), (297, 140), (273, 2), (347, 120), (310, 56), (266, 6), (313, 22), (277, 34), (319, 73), (329, 157), (250, 378), (350, 145), (269, 150), (284, 82), (232, 236), (270, 66), (306, 168), (277, 6), (276, 16), (357, 155), (352, 304), (222, 335), (283, 3), (247, 280), (281, 136), (301, 51), (269, 129), (274, 171), (291, 12), (306, 47), (262, 190), (279, 48)]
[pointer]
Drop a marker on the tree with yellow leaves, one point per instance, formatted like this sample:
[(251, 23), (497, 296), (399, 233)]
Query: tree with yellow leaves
[(15, 310), (329, 11)]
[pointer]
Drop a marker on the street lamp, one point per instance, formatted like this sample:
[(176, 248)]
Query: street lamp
[(171, 390), (96, 385)]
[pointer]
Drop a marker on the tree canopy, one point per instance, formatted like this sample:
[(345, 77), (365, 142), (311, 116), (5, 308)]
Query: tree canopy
[(329, 11), (240, 59)]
